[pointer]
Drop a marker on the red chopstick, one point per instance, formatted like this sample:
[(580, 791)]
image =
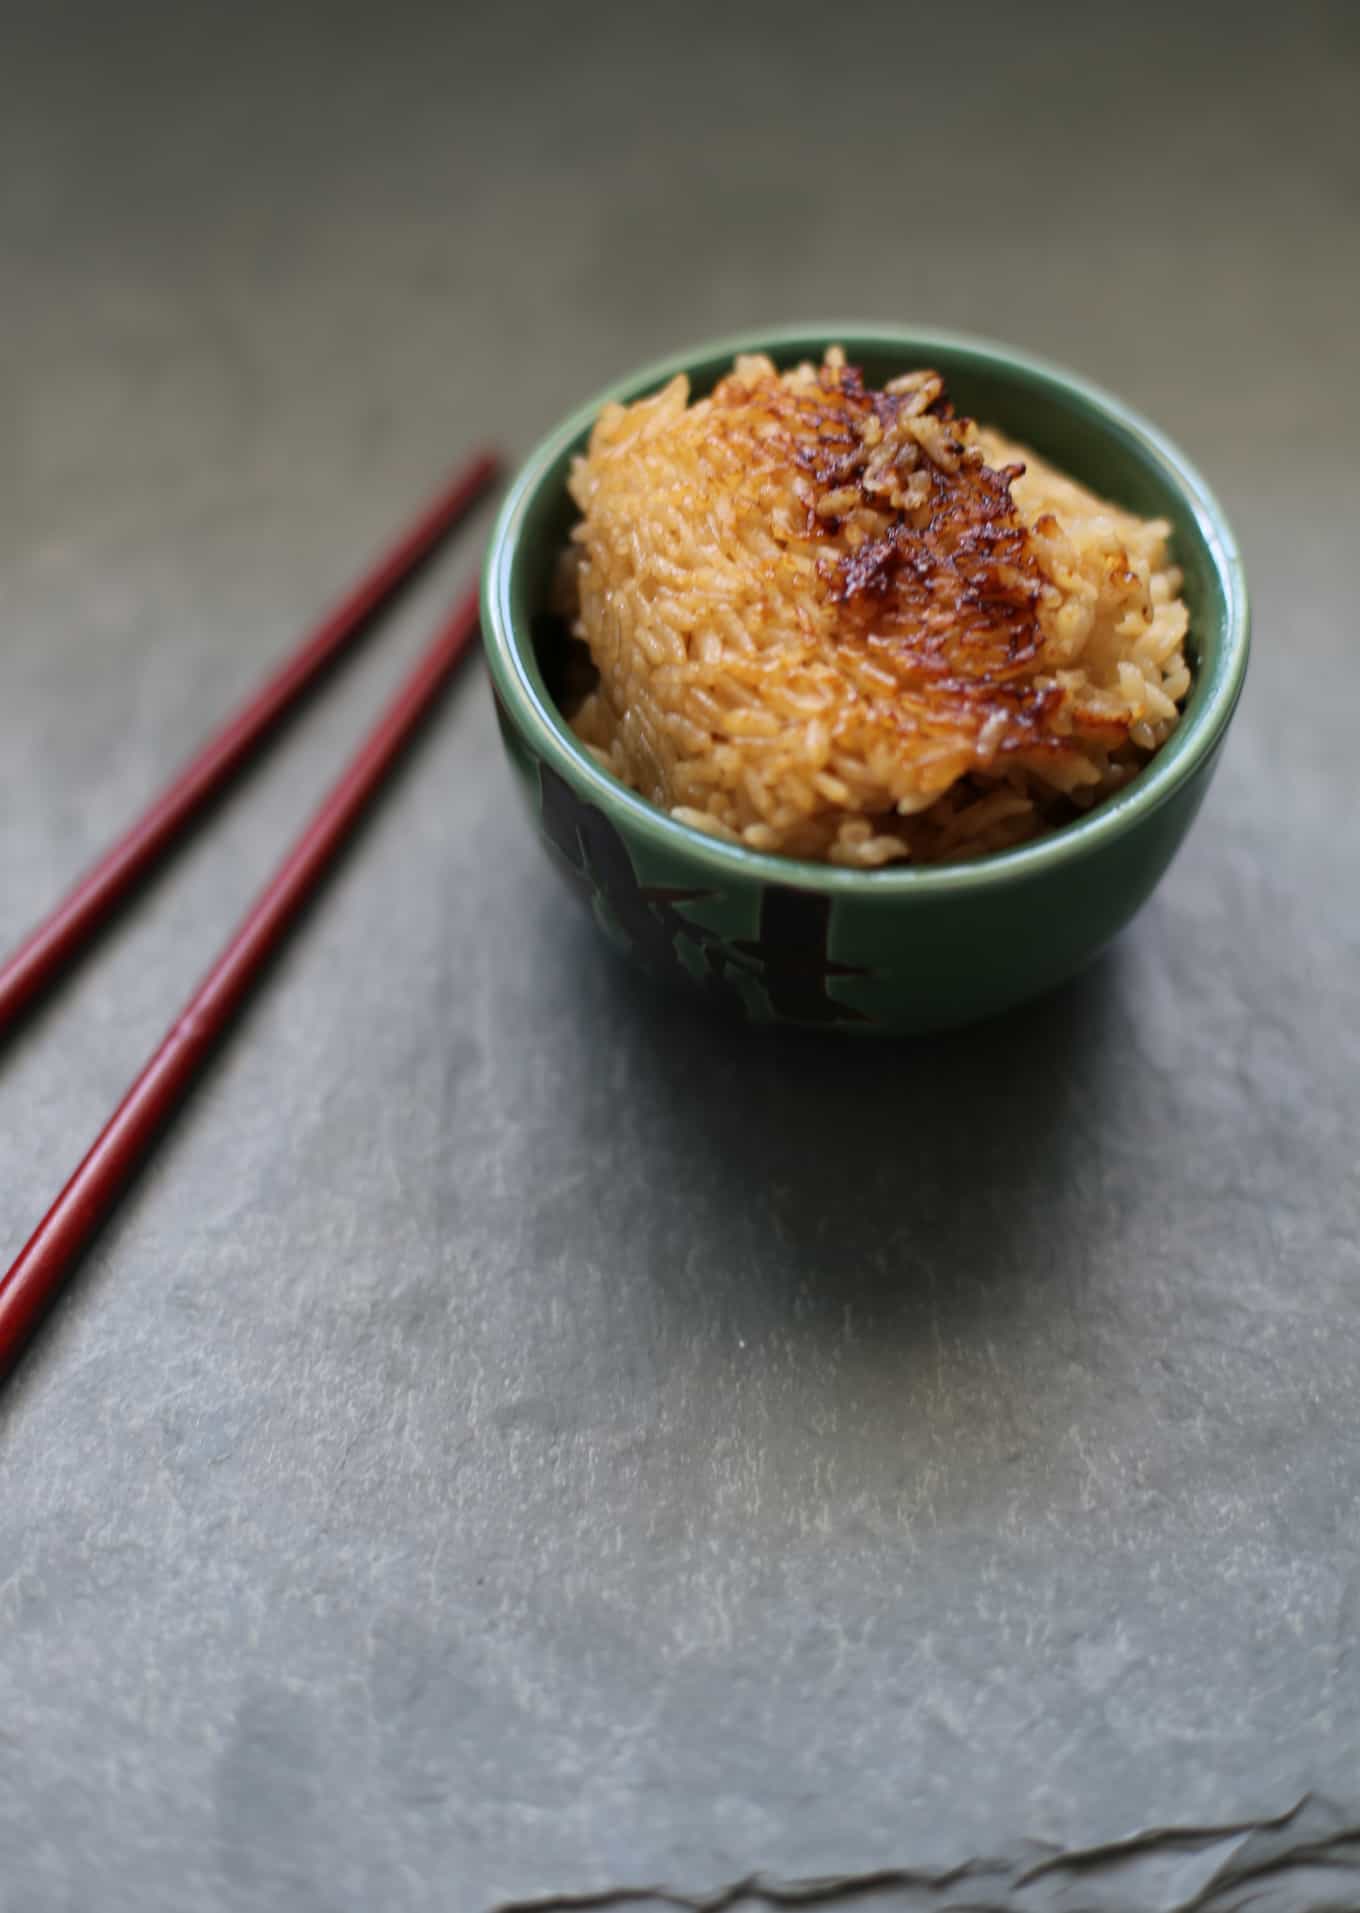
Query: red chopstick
[(76, 918), (33, 1280)]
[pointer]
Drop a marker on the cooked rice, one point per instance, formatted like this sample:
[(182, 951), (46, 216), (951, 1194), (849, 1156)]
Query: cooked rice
[(845, 624)]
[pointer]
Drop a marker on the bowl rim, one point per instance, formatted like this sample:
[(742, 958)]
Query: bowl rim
[(1191, 745)]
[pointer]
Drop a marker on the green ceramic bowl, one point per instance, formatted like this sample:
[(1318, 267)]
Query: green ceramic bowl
[(888, 950)]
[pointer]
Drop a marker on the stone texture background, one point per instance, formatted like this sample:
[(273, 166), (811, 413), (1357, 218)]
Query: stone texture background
[(518, 1437)]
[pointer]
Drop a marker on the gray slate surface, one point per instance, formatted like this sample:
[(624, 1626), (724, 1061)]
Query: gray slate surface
[(519, 1438)]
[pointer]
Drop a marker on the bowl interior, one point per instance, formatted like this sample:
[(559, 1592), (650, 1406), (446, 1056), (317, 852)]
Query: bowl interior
[(1083, 431)]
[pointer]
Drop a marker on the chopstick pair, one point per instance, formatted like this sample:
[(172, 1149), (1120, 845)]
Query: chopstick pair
[(31, 1283)]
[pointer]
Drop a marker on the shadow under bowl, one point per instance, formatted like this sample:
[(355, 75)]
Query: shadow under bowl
[(900, 949)]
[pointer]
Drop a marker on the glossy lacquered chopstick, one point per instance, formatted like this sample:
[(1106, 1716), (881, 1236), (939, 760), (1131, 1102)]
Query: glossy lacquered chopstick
[(33, 1280), (79, 915)]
